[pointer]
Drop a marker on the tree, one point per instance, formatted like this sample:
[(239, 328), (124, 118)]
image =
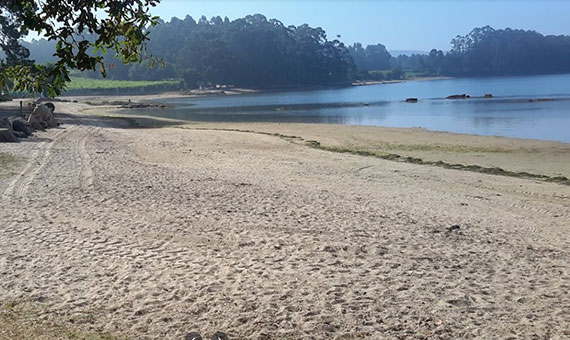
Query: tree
[(251, 52), (118, 25), (373, 57)]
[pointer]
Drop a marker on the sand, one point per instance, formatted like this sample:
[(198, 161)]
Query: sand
[(154, 233)]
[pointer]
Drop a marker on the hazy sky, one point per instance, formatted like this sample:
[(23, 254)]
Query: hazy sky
[(405, 24)]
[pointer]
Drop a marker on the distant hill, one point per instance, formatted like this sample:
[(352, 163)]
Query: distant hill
[(396, 53)]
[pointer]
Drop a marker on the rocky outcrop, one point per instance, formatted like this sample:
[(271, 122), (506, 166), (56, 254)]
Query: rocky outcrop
[(411, 100), (15, 127)]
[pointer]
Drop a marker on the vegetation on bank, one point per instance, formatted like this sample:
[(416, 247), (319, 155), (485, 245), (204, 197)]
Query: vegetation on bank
[(409, 159), (8, 165), (21, 320), (79, 85)]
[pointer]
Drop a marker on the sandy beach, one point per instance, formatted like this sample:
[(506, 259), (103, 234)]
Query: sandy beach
[(114, 232)]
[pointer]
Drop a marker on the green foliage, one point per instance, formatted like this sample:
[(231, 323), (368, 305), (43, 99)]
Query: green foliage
[(489, 52), (395, 74), (86, 85), (373, 57), (122, 29), (486, 51), (249, 52)]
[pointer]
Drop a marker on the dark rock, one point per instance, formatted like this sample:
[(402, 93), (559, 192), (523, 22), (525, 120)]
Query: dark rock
[(219, 336), (411, 100), (131, 105), (453, 227), (19, 134), (38, 125), (458, 96), (6, 136), (193, 336), (19, 124), (488, 95)]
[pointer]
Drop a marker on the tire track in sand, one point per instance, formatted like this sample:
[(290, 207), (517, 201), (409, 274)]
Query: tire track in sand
[(19, 186), (86, 174)]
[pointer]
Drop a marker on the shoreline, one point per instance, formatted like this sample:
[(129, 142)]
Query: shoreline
[(387, 82), (115, 228), (501, 155), (231, 91), (492, 154)]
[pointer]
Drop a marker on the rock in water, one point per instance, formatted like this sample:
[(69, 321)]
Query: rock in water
[(458, 96), (6, 136), (411, 100)]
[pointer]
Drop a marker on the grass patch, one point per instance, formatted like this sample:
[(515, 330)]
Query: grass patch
[(22, 321), (441, 147), (144, 122), (474, 168), (107, 86), (395, 157), (8, 164)]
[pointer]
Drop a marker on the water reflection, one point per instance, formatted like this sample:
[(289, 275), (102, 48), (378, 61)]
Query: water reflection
[(508, 113)]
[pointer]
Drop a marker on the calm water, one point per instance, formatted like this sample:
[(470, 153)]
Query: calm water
[(508, 113)]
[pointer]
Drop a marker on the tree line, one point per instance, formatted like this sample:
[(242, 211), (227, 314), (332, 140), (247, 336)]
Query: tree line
[(258, 52), (486, 51), (247, 52)]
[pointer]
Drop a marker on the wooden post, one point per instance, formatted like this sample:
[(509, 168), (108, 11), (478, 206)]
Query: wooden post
[(21, 108)]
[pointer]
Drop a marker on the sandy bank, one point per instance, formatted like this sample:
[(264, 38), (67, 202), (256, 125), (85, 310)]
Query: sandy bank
[(384, 82), (153, 233), (535, 157)]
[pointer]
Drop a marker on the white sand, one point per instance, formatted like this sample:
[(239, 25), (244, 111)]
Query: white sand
[(153, 233)]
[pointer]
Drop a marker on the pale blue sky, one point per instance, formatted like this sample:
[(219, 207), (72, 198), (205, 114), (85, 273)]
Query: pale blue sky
[(405, 24)]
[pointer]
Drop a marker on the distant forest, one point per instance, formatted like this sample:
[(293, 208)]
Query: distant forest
[(259, 53)]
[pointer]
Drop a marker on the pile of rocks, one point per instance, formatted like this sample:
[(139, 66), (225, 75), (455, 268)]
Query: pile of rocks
[(15, 127)]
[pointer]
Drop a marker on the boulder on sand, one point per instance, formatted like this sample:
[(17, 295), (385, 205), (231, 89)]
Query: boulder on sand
[(19, 124), (19, 134), (42, 112), (6, 136), (42, 117)]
